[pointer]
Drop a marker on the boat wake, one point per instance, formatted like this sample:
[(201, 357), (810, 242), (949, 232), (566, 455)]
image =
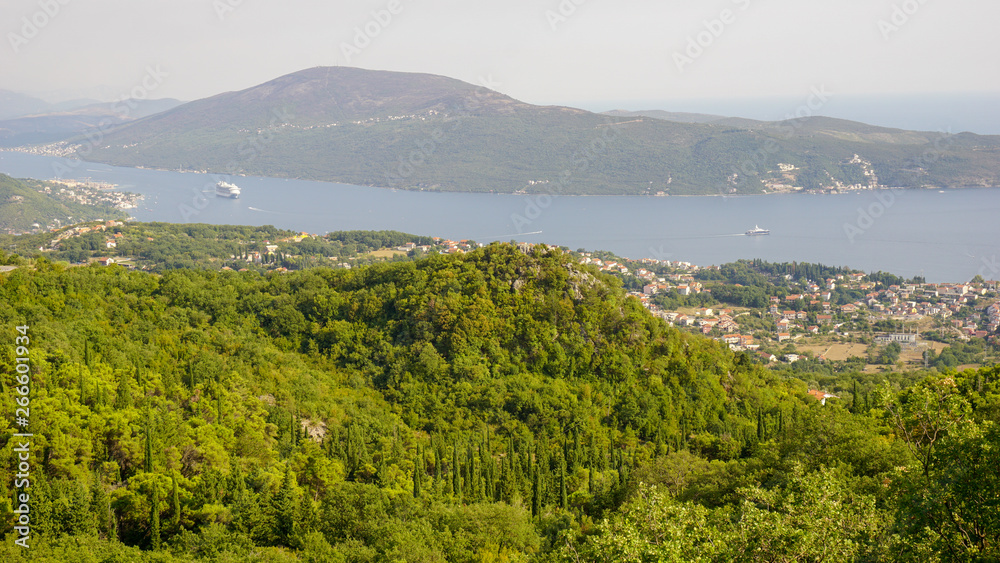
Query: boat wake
[(513, 235)]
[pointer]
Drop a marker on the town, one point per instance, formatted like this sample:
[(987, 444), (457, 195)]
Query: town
[(834, 318)]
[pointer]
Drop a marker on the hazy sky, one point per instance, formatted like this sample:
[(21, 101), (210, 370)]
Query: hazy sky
[(540, 51)]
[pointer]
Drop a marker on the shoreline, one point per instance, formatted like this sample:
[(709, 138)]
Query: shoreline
[(526, 194)]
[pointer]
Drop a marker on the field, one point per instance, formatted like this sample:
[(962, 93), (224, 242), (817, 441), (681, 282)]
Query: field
[(386, 253), (839, 351)]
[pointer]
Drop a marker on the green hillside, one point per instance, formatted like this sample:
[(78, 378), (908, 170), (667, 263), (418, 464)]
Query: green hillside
[(23, 206), (430, 132), (499, 405)]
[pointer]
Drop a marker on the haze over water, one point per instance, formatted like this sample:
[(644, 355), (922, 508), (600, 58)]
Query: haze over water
[(946, 237)]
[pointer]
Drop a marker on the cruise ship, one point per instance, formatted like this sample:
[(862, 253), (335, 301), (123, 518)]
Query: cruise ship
[(757, 231), (225, 189)]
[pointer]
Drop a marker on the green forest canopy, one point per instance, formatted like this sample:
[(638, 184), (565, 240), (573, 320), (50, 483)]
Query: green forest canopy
[(493, 406)]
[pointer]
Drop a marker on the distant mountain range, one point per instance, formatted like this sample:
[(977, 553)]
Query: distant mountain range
[(49, 123), (421, 131)]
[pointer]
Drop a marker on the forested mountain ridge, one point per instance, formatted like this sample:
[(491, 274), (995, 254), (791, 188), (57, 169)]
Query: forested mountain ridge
[(421, 131), (493, 406)]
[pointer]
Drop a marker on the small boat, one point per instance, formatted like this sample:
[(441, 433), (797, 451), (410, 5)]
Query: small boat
[(225, 189), (757, 231)]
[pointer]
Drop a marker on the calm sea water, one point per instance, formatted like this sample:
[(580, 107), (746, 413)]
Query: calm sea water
[(950, 236)]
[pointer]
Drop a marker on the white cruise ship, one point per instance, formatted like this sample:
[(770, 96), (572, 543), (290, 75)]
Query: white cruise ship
[(757, 231), (225, 189)]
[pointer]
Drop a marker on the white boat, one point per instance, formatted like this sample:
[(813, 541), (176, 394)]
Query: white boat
[(757, 231), (225, 189)]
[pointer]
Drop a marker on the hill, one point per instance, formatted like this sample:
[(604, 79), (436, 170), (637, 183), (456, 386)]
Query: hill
[(422, 131), (24, 208), (680, 117), (52, 126), (504, 404), (13, 104)]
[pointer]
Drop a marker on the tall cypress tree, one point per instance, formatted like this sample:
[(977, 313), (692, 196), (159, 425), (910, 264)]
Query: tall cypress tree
[(175, 503), (82, 384), (154, 518), (536, 493), (417, 470), (563, 502), (456, 476), (284, 508), (123, 399), (148, 459), (101, 508)]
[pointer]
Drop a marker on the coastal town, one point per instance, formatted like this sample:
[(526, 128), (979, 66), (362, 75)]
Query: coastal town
[(819, 312), (831, 317), (89, 192)]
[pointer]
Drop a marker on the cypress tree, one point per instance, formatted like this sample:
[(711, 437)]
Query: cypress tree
[(175, 503), (563, 502), (456, 477), (154, 518), (123, 399), (577, 450), (148, 460), (536, 493), (854, 399), (352, 454), (284, 508), (417, 470), (101, 507)]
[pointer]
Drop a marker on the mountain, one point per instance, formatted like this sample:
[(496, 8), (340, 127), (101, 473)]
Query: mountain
[(23, 206), (13, 104), (680, 117), (53, 126), (423, 131)]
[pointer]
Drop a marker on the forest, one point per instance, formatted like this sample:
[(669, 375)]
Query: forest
[(498, 405)]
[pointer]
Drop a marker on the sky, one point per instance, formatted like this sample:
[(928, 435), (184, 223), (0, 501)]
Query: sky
[(597, 54)]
